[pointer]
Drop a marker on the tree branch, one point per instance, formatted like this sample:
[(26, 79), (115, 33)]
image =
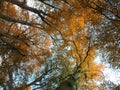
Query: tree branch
[(40, 13), (10, 19)]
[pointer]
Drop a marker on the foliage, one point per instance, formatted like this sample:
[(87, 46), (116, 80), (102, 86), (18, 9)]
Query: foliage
[(52, 44)]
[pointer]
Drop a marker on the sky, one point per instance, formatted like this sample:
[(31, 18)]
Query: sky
[(110, 74)]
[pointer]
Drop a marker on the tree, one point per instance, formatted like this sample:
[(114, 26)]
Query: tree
[(76, 45), (55, 42), (97, 23), (22, 49), (109, 27)]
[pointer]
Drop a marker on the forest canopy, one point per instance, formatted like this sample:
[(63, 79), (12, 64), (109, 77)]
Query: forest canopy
[(59, 44)]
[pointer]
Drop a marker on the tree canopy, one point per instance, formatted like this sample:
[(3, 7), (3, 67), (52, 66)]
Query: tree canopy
[(53, 44)]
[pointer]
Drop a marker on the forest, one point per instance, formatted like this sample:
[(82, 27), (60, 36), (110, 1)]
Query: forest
[(59, 44)]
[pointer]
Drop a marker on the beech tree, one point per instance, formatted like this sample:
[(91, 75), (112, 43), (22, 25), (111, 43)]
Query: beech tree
[(22, 48), (109, 27), (52, 44)]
